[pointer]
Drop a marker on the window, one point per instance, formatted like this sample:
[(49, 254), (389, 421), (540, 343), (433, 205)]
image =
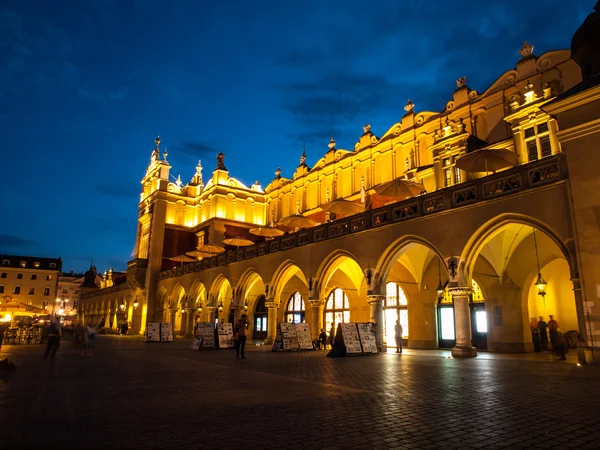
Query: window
[(53, 265), (36, 264), (452, 174), (19, 276), (5, 262), (31, 291), (1, 289), (337, 309), (46, 292), (48, 277), (30, 302), (65, 291), (23, 263), (74, 304), (17, 290), (3, 275), (537, 141), (34, 276), (395, 308), (295, 309)]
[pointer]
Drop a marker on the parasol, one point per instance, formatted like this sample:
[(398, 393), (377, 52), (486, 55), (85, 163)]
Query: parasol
[(238, 242), (487, 160), (297, 221), (210, 249), (198, 254), (342, 207), (181, 258), (266, 232), (400, 188)]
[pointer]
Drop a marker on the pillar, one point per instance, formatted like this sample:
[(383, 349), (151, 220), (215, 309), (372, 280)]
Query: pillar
[(189, 322), (376, 305), (172, 313), (271, 322), (316, 324), (462, 323)]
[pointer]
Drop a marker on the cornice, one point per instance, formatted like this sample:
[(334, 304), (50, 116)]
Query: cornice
[(589, 95), (579, 131)]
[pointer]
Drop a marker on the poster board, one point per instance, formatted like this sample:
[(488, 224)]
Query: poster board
[(350, 338), (367, 338), (166, 332), (153, 332), (206, 332), (304, 336), (196, 344), (289, 336), (225, 333)]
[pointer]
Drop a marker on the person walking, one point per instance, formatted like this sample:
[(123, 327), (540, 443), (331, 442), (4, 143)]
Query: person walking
[(91, 336), (54, 334), (323, 339), (398, 336), (543, 333), (240, 331)]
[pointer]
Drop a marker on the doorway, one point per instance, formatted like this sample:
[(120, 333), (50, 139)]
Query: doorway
[(260, 319)]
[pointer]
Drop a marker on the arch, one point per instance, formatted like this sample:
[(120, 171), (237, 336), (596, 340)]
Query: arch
[(295, 308), (198, 293), (393, 252), (340, 260), (284, 273), (489, 229)]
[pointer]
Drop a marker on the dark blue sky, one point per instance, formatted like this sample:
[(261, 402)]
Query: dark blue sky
[(85, 86)]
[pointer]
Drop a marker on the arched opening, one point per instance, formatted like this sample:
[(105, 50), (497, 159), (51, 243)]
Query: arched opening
[(250, 289), (337, 309), (507, 258), (288, 280), (395, 308), (295, 310), (177, 308), (261, 318), (220, 296)]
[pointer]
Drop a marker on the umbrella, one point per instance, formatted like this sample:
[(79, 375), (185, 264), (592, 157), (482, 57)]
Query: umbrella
[(343, 207), (181, 258), (266, 232), (197, 254), (400, 188), (486, 160), (297, 221), (209, 248), (238, 242)]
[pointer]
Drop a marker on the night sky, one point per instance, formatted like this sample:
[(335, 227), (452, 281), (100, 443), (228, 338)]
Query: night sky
[(85, 86)]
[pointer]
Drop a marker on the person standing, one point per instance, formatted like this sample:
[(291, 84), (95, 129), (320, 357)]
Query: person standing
[(323, 339), (543, 332), (91, 336), (556, 339), (398, 335), (54, 334), (240, 331), (535, 335), (553, 329)]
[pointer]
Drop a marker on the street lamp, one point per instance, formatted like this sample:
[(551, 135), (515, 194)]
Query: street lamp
[(135, 303)]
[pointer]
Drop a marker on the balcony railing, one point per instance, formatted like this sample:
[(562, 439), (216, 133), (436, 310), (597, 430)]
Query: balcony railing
[(517, 179)]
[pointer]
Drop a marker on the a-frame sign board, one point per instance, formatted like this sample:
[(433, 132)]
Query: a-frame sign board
[(354, 339)]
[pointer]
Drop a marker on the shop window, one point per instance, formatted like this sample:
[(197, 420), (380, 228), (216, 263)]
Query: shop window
[(295, 309), (537, 141), (337, 309), (31, 291), (34, 276), (30, 302)]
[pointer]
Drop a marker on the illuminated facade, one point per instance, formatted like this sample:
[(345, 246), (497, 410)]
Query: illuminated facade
[(457, 264)]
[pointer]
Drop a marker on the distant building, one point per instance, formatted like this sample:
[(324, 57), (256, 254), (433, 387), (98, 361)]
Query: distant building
[(69, 284), (29, 280)]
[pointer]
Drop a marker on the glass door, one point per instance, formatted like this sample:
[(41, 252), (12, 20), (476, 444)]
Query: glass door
[(479, 326), (446, 332)]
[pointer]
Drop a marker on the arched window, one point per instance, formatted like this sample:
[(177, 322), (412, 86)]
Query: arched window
[(337, 309), (477, 295), (294, 311), (395, 307)]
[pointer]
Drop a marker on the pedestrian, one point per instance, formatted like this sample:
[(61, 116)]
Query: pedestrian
[(332, 335), (54, 334), (323, 339), (91, 336), (535, 335), (80, 338), (240, 332), (543, 330), (398, 336)]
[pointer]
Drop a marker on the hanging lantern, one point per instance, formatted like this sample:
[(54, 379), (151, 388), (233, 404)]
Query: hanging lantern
[(135, 303), (541, 284), (246, 305)]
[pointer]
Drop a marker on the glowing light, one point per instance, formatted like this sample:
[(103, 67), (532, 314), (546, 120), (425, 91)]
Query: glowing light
[(7, 318), (578, 364), (61, 311)]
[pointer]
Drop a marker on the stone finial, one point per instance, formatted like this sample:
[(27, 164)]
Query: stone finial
[(461, 82), (331, 144), (367, 129), (526, 51), (199, 170), (303, 158), (409, 107), (221, 161), (278, 173), (178, 182), (157, 141), (165, 154)]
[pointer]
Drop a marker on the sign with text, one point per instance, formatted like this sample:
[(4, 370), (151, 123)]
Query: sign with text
[(304, 336), (367, 337), (166, 332), (206, 332), (153, 332), (351, 339), (225, 331)]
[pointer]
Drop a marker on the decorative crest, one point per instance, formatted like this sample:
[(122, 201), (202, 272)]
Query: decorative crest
[(409, 107), (221, 161), (199, 170), (367, 129), (165, 154), (303, 158), (461, 82), (278, 173), (178, 182), (331, 144), (157, 141), (526, 51)]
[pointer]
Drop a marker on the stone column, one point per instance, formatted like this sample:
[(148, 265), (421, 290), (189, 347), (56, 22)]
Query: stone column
[(376, 305), (316, 306), (189, 322), (462, 323), (172, 313), (272, 322)]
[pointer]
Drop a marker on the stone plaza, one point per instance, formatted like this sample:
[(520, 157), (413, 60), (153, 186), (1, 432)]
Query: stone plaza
[(136, 395)]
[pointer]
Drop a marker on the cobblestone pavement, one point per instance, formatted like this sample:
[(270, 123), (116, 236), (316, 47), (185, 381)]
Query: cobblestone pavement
[(132, 395)]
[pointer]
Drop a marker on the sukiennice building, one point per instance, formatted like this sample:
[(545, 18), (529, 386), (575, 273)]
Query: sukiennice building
[(462, 224)]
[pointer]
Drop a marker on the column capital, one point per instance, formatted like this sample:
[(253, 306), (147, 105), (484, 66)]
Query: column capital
[(460, 291), (190, 310), (212, 308), (271, 305), (315, 303), (375, 298)]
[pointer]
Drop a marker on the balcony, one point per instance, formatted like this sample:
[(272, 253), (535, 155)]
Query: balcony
[(517, 179)]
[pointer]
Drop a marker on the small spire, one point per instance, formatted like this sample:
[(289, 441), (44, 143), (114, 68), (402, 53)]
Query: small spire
[(526, 51), (303, 158), (157, 141), (165, 154), (278, 173), (178, 182)]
